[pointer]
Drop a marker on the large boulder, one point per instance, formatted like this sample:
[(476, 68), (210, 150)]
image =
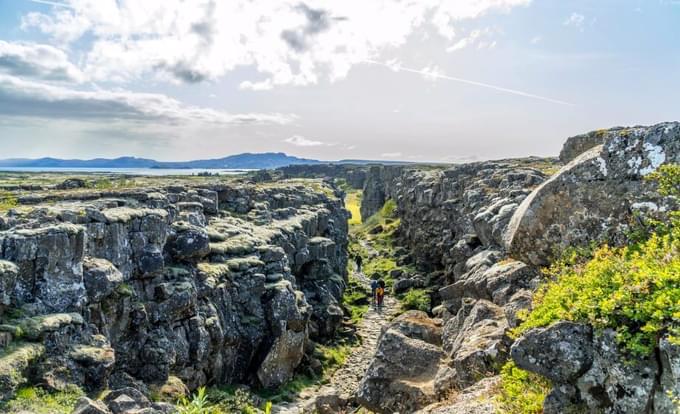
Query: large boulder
[(401, 376), (594, 197), (475, 344), (101, 278), (590, 373), (187, 241), (561, 352), (287, 314)]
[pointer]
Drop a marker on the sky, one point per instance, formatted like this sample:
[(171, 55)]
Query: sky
[(417, 80)]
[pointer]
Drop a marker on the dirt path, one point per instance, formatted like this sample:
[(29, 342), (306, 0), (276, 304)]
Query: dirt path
[(344, 382)]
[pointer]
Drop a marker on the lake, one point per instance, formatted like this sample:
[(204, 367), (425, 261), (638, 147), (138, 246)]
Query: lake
[(125, 171)]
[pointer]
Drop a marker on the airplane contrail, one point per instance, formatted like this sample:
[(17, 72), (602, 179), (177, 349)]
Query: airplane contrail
[(470, 82), (51, 3)]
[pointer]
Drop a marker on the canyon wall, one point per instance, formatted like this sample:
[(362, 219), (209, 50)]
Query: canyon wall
[(480, 233), (192, 284)]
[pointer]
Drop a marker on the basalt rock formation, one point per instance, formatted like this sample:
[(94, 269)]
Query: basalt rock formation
[(481, 232), (192, 284)]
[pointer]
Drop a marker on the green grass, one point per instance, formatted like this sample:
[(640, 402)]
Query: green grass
[(356, 299), (521, 392), (112, 183), (38, 401), (353, 204)]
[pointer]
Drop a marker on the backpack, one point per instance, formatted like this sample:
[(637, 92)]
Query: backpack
[(380, 291)]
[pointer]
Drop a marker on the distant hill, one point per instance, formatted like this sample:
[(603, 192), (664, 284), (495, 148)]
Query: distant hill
[(122, 162), (245, 161), (240, 161)]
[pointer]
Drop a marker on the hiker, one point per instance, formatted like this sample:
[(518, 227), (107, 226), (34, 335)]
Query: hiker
[(380, 293), (374, 287), (358, 260)]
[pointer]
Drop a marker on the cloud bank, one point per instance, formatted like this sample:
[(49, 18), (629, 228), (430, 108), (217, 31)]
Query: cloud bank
[(289, 42), (20, 97)]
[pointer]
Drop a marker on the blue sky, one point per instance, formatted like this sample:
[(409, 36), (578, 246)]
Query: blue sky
[(419, 80)]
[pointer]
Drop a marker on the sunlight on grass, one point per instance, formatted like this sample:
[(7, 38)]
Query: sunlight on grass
[(353, 204)]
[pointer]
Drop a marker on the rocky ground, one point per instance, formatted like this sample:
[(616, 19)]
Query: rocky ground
[(339, 393)]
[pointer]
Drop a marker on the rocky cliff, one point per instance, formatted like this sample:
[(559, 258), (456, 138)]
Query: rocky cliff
[(191, 284), (481, 233)]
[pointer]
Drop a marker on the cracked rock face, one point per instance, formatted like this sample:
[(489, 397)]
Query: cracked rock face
[(220, 283)]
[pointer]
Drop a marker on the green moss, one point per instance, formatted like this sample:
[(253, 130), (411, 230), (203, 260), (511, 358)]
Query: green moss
[(125, 289), (379, 267), (521, 392), (214, 270), (7, 201), (38, 401)]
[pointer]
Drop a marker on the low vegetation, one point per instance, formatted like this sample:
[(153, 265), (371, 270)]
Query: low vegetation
[(521, 392), (229, 399), (353, 205), (356, 299), (7, 200), (416, 299), (36, 400), (634, 290)]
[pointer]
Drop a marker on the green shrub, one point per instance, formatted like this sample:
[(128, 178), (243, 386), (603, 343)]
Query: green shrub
[(668, 179), (634, 290), (416, 299), (522, 392)]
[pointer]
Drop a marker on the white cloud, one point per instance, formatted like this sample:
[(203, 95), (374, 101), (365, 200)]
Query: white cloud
[(536, 40), (37, 61), (300, 141), (288, 41), (575, 20), (482, 38), (391, 154), (20, 97), (264, 85)]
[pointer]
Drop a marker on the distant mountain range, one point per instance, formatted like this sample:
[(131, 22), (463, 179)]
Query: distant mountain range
[(267, 160)]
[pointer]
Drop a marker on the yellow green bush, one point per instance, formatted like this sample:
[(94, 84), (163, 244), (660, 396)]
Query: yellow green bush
[(522, 392), (634, 290)]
